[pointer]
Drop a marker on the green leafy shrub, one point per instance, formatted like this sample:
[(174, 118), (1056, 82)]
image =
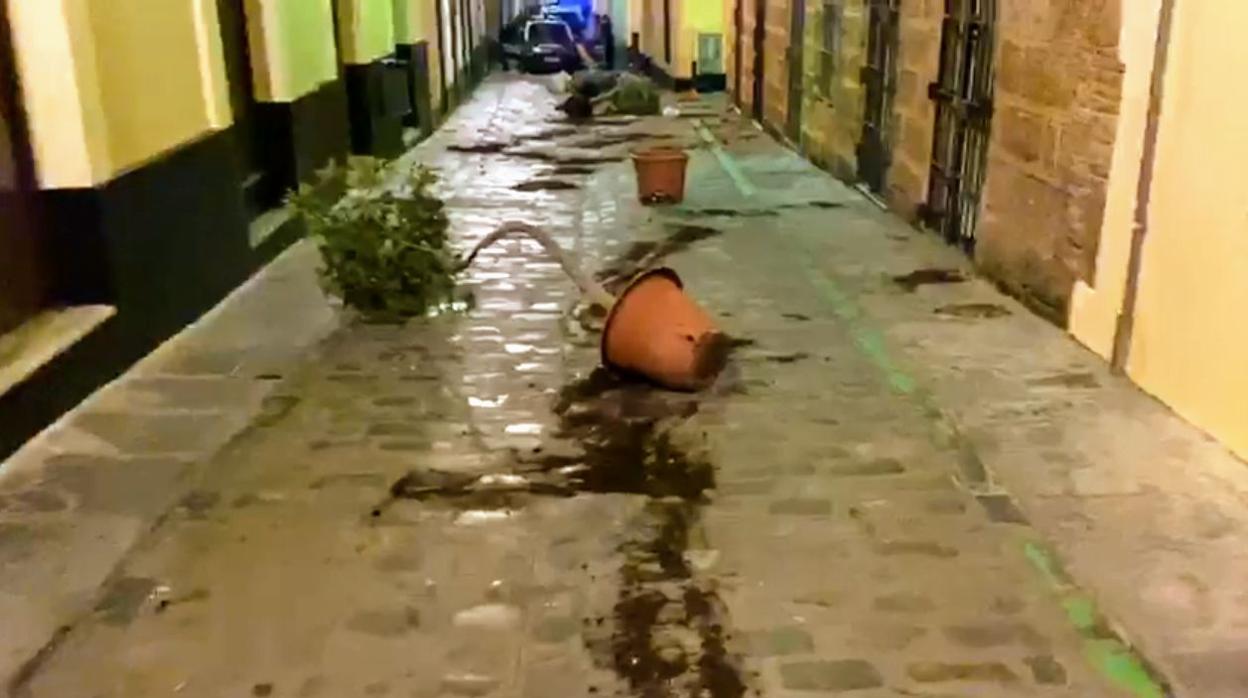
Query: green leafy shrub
[(636, 96), (382, 238)]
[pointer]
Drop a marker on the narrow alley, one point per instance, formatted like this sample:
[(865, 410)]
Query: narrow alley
[(466, 505)]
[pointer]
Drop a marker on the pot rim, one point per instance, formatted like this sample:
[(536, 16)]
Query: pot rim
[(666, 272), (660, 153)]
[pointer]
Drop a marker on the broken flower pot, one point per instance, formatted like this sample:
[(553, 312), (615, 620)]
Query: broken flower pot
[(657, 331), (653, 330)]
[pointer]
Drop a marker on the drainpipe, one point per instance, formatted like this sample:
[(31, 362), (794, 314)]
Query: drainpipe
[(1125, 330)]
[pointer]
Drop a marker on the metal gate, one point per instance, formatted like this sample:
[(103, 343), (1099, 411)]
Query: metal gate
[(963, 96), (879, 79)]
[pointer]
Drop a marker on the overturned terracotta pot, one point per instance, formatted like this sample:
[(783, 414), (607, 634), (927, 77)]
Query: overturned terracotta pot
[(656, 331)]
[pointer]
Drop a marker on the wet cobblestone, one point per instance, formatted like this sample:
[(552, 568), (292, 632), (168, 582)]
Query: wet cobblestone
[(461, 506)]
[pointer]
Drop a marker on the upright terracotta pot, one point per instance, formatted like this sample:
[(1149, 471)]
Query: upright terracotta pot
[(656, 331), (660, 174)]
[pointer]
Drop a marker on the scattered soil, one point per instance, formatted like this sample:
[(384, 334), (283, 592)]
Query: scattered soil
[(571, 171), (564, 160), (606, 141), (644, 254), (484, 148), (973, 310), (1067, 380), (928, 276), (545, 185)]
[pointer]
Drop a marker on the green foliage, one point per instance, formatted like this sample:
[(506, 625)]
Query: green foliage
[(382, 238), (636, 96)]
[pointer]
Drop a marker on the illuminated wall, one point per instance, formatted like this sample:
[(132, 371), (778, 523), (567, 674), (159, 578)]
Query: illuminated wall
[(111, 84), (366, 30), (1190, 327), (292, 47)]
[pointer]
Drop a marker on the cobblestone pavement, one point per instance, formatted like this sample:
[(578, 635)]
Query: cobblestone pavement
[(464, 506)]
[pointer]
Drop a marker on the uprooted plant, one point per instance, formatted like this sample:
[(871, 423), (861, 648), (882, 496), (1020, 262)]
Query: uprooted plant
[(384, 243), (382, 236)]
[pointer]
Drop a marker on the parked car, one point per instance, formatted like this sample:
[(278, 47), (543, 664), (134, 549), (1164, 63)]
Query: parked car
[(549, 47), (571, 17)]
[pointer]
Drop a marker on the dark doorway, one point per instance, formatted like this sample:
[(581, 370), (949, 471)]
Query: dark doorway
[(963, 95), (25, 286), (738, 24), (443, 52), (261, 190), (760, 41), (797, 41), (466, 44), (667, 33), (879, 79)]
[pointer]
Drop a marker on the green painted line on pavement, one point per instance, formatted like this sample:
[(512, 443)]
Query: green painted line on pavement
[(1123, 667), (868, 340), (1114, 659), (725, 160), (1110, 656)]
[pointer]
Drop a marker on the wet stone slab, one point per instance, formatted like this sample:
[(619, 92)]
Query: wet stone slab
[(463, 506), (832, 676)]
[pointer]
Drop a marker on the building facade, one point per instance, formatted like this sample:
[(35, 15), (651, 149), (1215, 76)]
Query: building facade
[(1063, 144), (682, 42), (146, 147)]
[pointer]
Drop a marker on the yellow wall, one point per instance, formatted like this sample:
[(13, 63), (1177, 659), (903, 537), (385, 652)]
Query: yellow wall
[(688, 19), (366, 30), (1191, 327), (150, 86), (111, 84), (416, 21), (653, 42), (1094, 308), (292, 47), (698, 17)]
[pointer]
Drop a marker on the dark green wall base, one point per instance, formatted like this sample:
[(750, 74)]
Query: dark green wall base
[(162, 244), (377, 103), (705, 82), (305, 135), (415, 58), (702, 82)]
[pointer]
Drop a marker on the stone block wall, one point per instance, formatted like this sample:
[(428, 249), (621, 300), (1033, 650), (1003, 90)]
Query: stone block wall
[(776, 68), (746, 98), (1058, 89), (913, 112), (832, 111)]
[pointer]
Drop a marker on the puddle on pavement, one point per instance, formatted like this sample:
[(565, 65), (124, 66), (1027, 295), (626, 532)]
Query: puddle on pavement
[(666, 636), (666, 632), (928, 276)]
